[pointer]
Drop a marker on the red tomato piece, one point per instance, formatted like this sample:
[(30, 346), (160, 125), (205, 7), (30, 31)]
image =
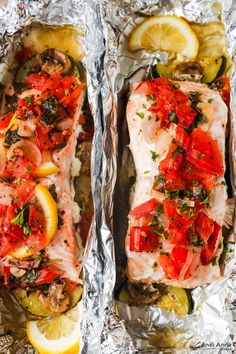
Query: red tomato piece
[(210, 249), (142, 239), (168, 266), (4, 172), (177, 221), (20, 166), (13, 231), (144, 209), (36, 219), (3, 209), (23, 193), (42, 140), (193, 176), (204, 226), (45, 276), (26, 103), (181, 97), (204, 152), (174, 181), (177, 236), (173, 159), (182, 137), (5, 120), (37, 80), (6, 245), (224, 89), (36, 241), (185, 114), (179, 256)]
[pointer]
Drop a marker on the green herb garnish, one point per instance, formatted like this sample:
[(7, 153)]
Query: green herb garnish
[(140, 115)]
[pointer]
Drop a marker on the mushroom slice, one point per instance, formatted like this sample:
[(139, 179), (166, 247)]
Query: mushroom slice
[(143, 293), (191, 71), (55, 61)]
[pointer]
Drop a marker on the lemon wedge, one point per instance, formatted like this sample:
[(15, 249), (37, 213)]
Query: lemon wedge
[(45, 169), (58, 334), (49, 208), (167, 33)]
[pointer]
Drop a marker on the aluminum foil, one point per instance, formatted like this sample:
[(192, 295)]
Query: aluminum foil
[(211, 328), (14, 16)]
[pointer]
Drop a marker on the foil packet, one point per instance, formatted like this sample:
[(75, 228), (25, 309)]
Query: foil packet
[(84, 17), (210, 328)]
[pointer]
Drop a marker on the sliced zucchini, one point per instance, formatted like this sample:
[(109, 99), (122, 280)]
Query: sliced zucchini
[(31, 303), (124, 295), (165, 70), (176, 299), (212, 68)]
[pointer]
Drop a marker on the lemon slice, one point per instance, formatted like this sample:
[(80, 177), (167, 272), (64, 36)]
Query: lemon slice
[(58, 334), (167, 33), (49, 208), (45, 169)]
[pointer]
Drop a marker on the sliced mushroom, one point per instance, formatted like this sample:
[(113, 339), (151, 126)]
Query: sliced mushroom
[(55, 298), (144, 293), (55, 60), (191, 71)]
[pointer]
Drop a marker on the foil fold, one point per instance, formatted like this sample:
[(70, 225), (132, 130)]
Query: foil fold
[(211, 327)]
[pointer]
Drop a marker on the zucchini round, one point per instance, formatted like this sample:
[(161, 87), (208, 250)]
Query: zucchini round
[(212, 68), (176, 299), (31, 303)]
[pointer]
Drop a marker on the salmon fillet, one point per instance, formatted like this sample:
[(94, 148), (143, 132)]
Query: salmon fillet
[(150, 142)]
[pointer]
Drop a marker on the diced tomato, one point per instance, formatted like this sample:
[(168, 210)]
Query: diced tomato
[(42, 139), (4, 172), (193, 176), (224, 89), (209, 251), (3, 209), (177, 236), (174, 181), (23, 193), (37, 80), (71, 100), (45, 276), (7, 277), (179, 256), (6, 245), (185, 114), (173, 159), (26, 104), (181, 97), (142, 239), (182, 137), (204, 226), (13, 231), (204, 152), (145, 220), (5, 120), (36, 241), (36, 219), (177, 221), (144, 209), (168, 267), (20, 166)]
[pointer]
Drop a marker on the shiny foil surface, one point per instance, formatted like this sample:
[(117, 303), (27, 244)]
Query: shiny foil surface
[(211, 327), (84, 15)]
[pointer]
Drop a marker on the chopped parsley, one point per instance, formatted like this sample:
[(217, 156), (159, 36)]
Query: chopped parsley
[(210, 100), (173, 117), (140, 115), (206, 200), (29, 100), (27, 230), (154, 264), (19, 219), (214, 261), (145, 172), (154, 155), (179, 150), (200, 155), (67, 92), (159, 180), (150, 97)]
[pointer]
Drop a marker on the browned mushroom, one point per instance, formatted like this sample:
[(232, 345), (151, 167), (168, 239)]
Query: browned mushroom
[(144, 293), (55, 298), (191, 71), (55, 60)]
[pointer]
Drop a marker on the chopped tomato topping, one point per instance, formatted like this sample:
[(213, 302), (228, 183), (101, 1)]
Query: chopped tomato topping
[(5, 120), (204, 152), (37, 80), (174, 181), (224, 89), (204, 227), (143, 239), (182, 137), (194, 176), (210, 249), (168, 266), (179, 256), (179, 222), (185, 114), (177, 236), (45, 276), (173, 159), (144, 209)]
